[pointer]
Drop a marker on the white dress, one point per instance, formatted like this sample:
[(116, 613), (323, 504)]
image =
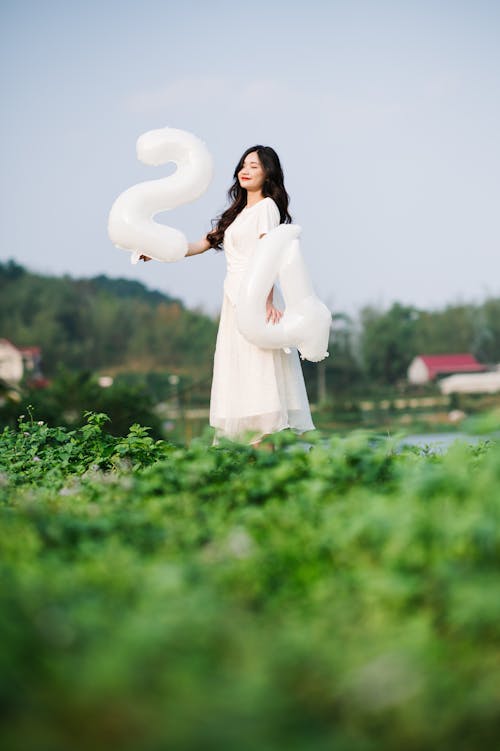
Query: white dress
[(254, 391)]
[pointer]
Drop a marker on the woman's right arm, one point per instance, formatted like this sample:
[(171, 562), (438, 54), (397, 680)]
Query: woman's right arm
[(193, 249), (200, 247)]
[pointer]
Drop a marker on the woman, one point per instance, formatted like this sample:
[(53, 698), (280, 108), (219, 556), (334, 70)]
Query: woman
[(254, 391)]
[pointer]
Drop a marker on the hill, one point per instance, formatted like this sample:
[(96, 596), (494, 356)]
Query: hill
[(101, 323)]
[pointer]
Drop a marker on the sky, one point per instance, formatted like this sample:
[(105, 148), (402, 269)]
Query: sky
[(385, 115)]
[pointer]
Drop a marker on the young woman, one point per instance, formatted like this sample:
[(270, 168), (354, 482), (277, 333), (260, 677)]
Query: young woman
[(254, 391)]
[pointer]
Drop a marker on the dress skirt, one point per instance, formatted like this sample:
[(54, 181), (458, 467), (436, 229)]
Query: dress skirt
[(254, 391)]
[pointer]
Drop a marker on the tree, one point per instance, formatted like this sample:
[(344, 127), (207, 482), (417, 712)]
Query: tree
[(388, 342)]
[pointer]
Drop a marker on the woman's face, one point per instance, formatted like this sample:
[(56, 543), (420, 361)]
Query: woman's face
[(251, 176)]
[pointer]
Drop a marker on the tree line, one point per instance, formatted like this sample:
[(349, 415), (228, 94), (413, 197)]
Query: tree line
[(102, 323)]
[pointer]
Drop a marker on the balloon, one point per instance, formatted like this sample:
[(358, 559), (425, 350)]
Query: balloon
[(131, 225), (306, 321)]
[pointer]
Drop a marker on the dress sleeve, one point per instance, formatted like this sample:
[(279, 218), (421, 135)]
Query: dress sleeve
[(269, 217)]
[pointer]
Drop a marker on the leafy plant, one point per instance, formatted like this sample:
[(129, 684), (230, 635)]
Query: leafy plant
[(339, 594), (35, 453)]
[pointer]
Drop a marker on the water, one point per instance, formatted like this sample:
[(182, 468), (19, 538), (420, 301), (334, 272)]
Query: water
[(441, 442), (437, 443)]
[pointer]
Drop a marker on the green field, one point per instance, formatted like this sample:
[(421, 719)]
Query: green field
[(155, 597)]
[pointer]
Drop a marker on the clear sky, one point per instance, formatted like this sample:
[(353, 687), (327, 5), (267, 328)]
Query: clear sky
[(386, 117)]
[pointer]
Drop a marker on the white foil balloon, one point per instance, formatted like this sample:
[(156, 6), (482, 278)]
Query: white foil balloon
[(131, 225), (306, 321)]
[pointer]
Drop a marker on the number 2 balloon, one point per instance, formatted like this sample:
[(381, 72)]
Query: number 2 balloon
[(131, 225)]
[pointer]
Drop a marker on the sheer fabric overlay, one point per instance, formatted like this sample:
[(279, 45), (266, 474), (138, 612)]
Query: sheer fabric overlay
[(254, 391)]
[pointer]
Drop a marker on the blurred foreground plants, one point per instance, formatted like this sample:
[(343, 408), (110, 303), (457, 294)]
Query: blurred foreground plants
[(340, 596)]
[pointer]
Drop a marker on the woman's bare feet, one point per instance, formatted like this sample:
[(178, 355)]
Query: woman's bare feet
[(263, 446)]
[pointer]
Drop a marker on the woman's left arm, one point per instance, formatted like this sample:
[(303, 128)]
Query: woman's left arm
[(268, 220), (272, 314)]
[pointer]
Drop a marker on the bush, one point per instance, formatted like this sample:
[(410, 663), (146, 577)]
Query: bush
[(156, 597)]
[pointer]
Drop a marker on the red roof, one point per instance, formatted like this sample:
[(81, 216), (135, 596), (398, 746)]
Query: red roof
[(437, 364)]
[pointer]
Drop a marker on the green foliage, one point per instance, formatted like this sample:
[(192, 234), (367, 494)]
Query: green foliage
[(453, 327), (484, 423), (153, 597), (388, 342), (35, 453)]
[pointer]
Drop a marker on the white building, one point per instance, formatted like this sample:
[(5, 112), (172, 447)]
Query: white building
[(11, 362), (471, 383)]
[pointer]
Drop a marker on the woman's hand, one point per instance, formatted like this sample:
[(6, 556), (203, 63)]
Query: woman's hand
[(273, 315)]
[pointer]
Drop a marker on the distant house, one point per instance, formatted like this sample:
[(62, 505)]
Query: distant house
[(471, 383), (425, 368), (11, 362), (16, 362)]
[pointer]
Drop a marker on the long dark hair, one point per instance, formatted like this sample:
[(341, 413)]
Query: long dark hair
[(273, 187)]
